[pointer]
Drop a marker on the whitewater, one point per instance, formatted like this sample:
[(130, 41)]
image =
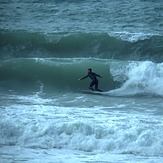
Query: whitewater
[(47, 115)]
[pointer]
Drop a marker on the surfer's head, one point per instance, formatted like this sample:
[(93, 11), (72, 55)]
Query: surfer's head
[(89, 70)]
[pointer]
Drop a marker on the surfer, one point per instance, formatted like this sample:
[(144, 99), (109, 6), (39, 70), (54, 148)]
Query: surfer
[(93, 76)]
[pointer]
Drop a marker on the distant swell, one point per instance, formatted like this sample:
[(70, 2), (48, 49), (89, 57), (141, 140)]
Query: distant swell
[(15, 44)]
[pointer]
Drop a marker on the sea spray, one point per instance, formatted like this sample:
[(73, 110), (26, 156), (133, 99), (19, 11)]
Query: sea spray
[(130, 138), (139, 78)]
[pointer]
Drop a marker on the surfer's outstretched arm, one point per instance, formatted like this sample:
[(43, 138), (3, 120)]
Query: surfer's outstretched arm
[(83, 77)]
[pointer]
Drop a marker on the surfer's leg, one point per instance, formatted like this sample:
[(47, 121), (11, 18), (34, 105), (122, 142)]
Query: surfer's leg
[(91, 85), (96, 85)]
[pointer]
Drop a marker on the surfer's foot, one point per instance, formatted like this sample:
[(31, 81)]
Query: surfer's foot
[(91, 88)]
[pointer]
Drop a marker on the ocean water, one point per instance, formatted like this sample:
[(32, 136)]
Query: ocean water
[(47, 114)]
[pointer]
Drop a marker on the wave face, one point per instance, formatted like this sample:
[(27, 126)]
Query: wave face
[(123, 46), (123, 77), (58, 73)]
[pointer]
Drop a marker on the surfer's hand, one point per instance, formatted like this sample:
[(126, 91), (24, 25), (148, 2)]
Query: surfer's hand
[(79, 79)]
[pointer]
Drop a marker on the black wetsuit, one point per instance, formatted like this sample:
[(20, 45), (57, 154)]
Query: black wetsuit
[(94, 79)]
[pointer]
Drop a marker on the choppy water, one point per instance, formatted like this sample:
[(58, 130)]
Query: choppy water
[(45, 114)]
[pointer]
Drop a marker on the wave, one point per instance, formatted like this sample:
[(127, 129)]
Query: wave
[(118, 45), (60, 74), (120, 78), (130, 138), (138, 78)]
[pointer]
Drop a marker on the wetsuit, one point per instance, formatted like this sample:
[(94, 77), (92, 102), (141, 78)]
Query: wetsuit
[(94, 79)]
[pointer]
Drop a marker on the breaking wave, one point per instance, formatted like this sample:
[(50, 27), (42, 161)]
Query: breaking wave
[(120, 78)]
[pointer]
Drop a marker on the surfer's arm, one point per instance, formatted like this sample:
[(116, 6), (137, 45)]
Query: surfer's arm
[(84, 77), (99, 76)]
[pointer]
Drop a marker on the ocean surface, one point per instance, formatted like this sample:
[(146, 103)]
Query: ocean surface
[(47, 115)]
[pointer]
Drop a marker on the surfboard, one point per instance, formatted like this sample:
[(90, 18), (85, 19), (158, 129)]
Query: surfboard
[(100, 92)]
